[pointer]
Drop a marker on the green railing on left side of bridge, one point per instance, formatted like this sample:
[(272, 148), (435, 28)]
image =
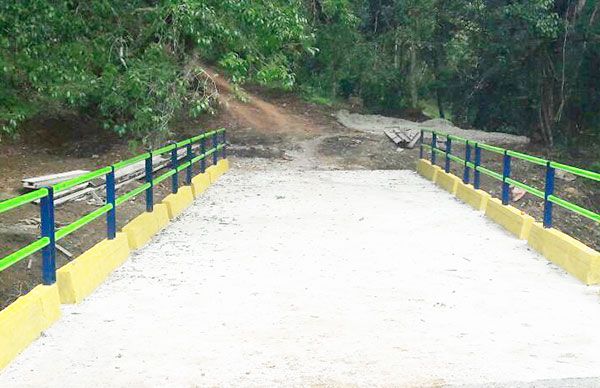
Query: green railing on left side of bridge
[(216, 140)]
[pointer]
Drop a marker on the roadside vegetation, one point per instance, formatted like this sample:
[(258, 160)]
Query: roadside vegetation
[(526, 67)]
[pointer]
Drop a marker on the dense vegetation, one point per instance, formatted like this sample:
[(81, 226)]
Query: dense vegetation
[(522, 66), (133, 63)]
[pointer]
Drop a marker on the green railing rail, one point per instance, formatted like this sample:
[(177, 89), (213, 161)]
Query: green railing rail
[(473, 162), (50, 235)]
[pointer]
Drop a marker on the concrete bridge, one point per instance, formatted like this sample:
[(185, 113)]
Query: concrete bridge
[(325, 278)]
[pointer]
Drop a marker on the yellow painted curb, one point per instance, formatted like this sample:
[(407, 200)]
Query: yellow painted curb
[(447, 181), (141, 229), (223, 164), (214, 173), (25, 319), (425, 169), (50, 300), (177, 203), (478, 199), (161, 213), (79, 278), (200, 183), (563, 250), (511, 218)]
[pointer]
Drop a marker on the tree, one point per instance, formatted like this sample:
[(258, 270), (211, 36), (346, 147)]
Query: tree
[(132, 63)]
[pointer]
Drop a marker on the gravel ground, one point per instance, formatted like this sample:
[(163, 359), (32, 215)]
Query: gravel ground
[(325, 278), (377, 124)]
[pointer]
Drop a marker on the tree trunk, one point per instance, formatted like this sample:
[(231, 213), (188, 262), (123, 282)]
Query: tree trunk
[(438, 87), (440, 103), (414, 92), (547, 108)]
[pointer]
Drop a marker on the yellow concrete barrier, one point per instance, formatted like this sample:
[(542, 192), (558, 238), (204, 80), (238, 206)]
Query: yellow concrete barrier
[(177, 203), (79, 278), (511, 218), (141, 229), (24, 320), (478, 199), (425, 169), (50, 300), (161, 213), (214, 173), (563, 250), (223, 165), (447, 181), (200, 183)]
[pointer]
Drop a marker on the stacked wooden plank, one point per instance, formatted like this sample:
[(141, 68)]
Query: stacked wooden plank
[(136, 171), (49, 180), (404, 137)]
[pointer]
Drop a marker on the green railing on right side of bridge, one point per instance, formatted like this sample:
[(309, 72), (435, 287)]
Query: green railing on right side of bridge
[(473, 162)]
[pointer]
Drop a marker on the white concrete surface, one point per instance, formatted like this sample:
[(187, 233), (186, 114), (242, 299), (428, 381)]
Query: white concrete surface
[(288, 278)]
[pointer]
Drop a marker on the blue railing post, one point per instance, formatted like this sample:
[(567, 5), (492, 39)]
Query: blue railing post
[(467, 172), (215, 143), (203, 152), (224, 153), (111, 197), (421, 150), (188, 171), (433, 146), (149, 179), (448, 153), (175, 178), (505, 175), (476, 173), (550, 174), (48, 230)]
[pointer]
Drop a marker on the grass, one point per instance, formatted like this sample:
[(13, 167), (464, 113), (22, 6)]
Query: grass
[(316, 96)]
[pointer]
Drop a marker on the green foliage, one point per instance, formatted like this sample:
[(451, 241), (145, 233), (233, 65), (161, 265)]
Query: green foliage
[(129, 61), (522, 66), (315, 96)]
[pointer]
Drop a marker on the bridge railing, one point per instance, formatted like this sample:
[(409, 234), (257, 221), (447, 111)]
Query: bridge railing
[(472, 164), (50, 234)]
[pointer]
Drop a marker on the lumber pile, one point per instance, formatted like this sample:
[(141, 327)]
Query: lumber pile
[(404, 137), (124, 176), (49, 180)]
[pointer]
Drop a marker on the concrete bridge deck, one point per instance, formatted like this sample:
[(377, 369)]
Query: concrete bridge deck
[(326, 278)]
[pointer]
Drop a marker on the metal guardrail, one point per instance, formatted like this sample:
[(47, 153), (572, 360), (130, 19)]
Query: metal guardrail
[(50, 235), (473, 162)]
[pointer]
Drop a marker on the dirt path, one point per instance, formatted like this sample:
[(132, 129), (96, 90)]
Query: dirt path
[(281, 126)]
